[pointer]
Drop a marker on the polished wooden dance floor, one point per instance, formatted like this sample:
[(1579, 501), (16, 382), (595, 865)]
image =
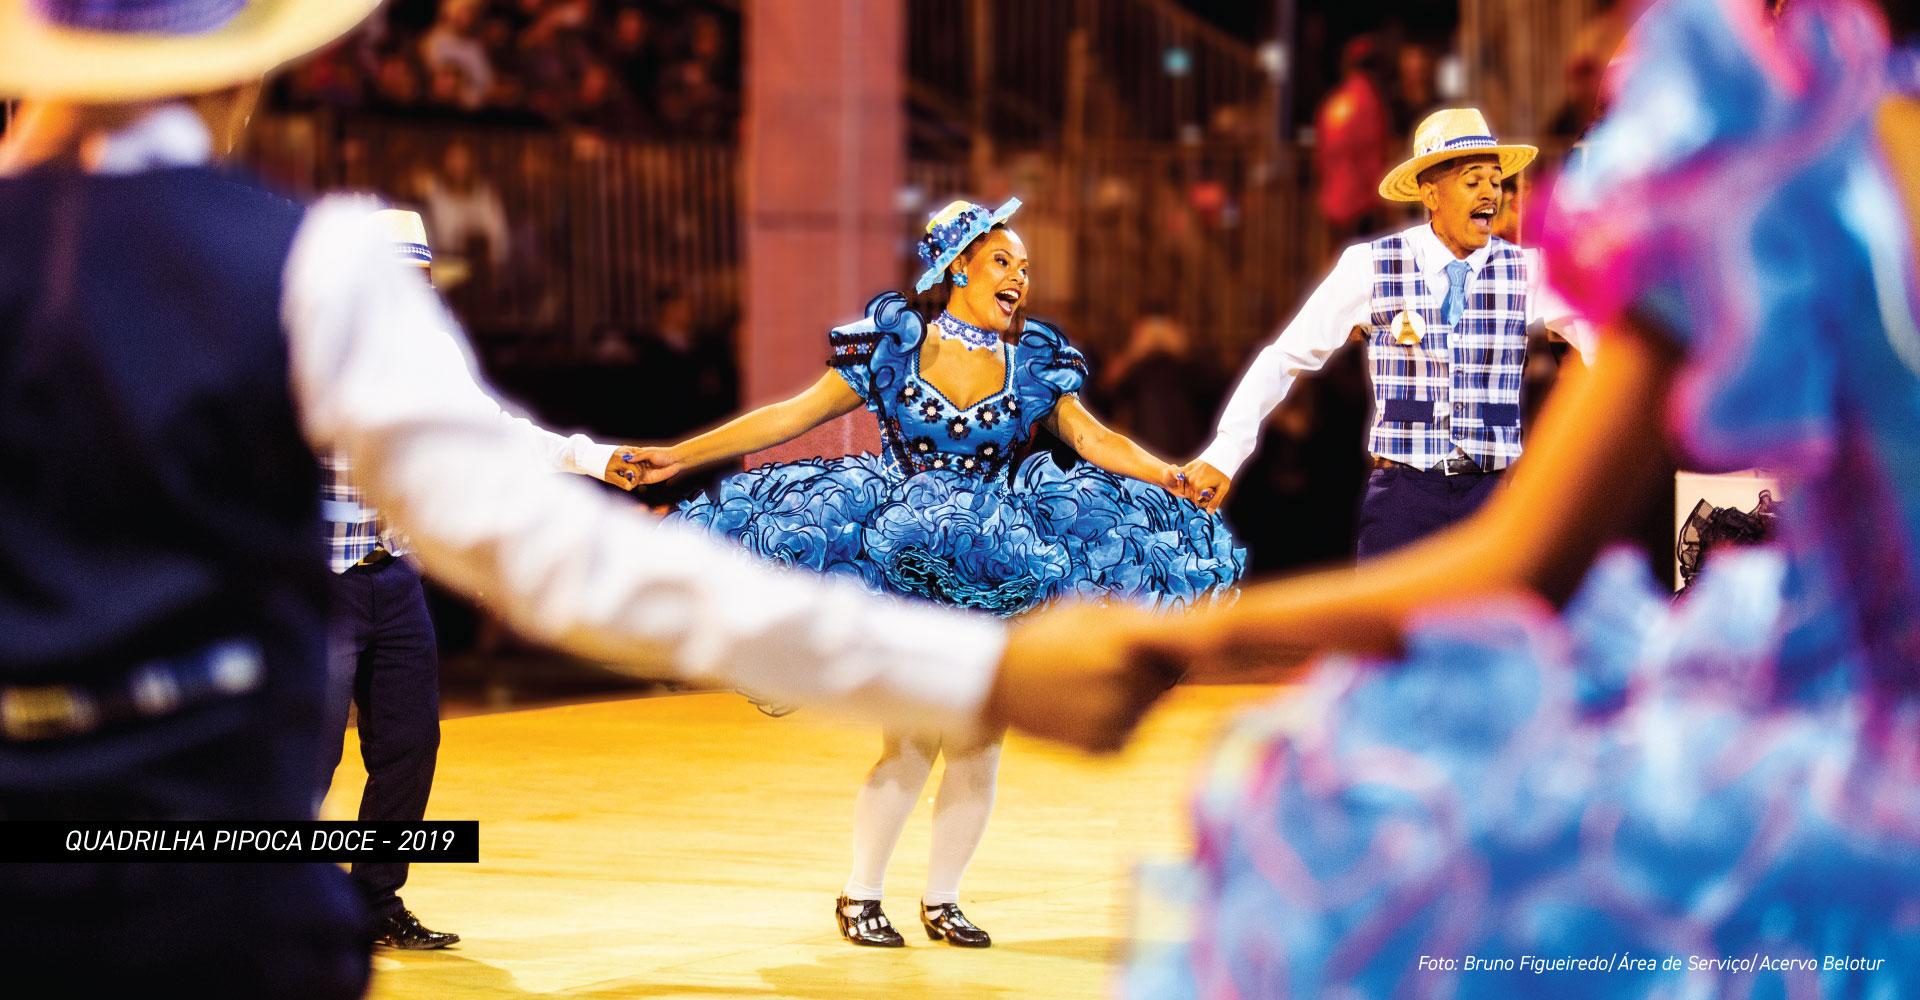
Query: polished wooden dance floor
[(688, 846)]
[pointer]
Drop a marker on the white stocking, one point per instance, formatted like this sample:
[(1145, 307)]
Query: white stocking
[(881, 809), (960, 818)]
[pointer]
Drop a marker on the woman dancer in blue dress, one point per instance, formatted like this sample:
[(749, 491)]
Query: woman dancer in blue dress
[(950, 512)]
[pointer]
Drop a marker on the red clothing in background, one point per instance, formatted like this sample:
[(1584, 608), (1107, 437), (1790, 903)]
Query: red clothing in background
[(1351, 154)]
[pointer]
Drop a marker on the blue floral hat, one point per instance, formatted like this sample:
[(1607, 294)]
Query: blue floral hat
[(949, 232)]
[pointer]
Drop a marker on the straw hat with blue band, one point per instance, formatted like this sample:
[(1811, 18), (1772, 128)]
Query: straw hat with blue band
[(1447, 135), (949, 232), (106, 51), (406, 232)]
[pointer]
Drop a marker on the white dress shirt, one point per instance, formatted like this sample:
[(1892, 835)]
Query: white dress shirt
[(377, 374), (1344, 301)]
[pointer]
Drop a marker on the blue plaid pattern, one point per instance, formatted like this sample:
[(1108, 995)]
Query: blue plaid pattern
[(354, 529), (1460, 386)]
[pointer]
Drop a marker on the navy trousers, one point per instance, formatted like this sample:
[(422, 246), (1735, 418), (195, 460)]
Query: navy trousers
[(1402, 506), (382, 657)]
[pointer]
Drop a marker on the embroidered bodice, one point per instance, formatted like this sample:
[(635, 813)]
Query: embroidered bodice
[(921, 429)]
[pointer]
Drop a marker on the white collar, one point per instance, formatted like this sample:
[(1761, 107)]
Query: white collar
[(172, 135), (1433, 255)]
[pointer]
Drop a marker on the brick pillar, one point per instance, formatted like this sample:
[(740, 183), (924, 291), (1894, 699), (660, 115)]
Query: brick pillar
[(824, 156)]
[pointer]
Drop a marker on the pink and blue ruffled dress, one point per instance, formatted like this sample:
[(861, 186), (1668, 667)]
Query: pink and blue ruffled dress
[(1731, 781), (955, 510)]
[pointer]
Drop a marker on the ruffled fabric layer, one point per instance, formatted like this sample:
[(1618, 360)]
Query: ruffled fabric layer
[(808, 514), (1802, 340), (1617, 782), (1003, 548), (1724, 125)]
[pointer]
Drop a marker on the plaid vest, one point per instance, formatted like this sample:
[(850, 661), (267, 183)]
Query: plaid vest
[(1460, 385), (354, 529)]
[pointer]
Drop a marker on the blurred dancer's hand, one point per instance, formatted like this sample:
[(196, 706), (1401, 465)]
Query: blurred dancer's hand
[(1077, 675), (1206, 485), (621, 471), (653, 465)]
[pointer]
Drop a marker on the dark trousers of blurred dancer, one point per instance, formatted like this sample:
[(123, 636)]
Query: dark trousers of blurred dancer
[(381, 657)]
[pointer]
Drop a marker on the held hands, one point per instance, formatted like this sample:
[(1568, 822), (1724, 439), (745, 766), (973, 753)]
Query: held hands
[(1201, 483), (1080, 675), (620, 472), (633, 466)]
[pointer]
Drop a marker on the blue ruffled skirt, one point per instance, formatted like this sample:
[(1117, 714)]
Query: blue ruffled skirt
[(1001, 547), (1631, 779)]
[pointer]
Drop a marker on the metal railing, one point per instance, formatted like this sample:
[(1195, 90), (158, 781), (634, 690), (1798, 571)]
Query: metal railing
[(1516, 53), (540, 236), (1220, 235), (1020, 73)]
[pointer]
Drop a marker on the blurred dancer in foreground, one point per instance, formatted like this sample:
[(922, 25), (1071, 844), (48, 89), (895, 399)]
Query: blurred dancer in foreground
[(161, 643), (1731, 775)]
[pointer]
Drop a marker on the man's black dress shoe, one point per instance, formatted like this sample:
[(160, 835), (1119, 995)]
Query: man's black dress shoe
[(867, 925), (946, 921), (403, 930)]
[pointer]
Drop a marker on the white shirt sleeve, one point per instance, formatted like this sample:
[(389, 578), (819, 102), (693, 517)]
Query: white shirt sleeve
[(1322, 325), (576, 453), (376, 374), (1546, 308)]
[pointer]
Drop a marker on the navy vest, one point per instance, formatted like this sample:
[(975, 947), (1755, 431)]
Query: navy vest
[(155, 491)]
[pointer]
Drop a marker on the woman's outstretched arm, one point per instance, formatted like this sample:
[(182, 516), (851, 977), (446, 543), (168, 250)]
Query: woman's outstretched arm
[(775, 423), (1594, 459), (1106, 447)]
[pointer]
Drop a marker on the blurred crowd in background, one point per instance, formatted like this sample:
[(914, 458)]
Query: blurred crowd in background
[(660, 68)]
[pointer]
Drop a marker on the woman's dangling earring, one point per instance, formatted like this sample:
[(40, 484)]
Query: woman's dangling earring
[(959, 279)]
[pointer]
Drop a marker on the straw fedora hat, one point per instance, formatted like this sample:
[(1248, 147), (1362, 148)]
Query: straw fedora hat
[(1447, 135), (406, 233), (107, 51)]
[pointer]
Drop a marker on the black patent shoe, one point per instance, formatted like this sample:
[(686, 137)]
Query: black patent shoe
[(946, 921), (403, 930), (767, 705), (868, 925)]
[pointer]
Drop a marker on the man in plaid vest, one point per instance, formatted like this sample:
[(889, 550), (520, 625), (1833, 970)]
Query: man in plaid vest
[(382, 654), (1445, 309)]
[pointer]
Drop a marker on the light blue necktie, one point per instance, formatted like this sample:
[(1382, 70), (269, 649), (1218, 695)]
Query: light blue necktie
[(1456, 292)]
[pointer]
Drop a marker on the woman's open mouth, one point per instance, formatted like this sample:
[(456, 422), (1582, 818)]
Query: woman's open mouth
[(1008, 299)]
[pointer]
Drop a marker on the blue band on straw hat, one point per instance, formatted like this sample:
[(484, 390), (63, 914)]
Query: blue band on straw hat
[(406, 233), (163, 16), (115, 51)]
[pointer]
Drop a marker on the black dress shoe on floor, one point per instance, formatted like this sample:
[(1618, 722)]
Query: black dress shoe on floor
[(946, 921), (403, 930), (866, 924)]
